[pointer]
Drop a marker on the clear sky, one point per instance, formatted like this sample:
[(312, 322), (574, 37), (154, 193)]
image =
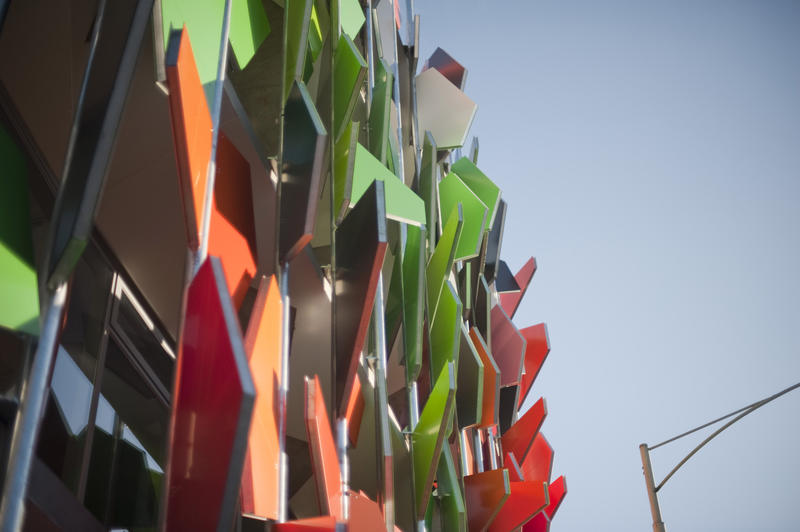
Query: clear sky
[(650, 155)]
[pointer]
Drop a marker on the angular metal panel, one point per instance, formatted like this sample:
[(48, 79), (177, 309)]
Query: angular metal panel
[(510, 302), (449, 67), (443, 109), (519, 437), (490, 398), (413, 265), (504, 282), (451, 499), (508, 347), (526, 500), (538, 464), (495, 242), (441, 261), (445, 330), (324, 458), (480, 184), (469, 394), (537, 347), (485, 493), (349, 70), (453, 191)]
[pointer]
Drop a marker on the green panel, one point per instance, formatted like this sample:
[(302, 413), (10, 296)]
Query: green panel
[(19, 292), (442, 259), (344, 157), (451, 498), (482, 186), (297, 17), (249, 28), (428, 186), (431, 431), (349, 69), (403, 483), (351, 17), (204, 25), (469, 395), (445, 329), (452, 190), (380, 111), (394, 300), (413, 302), (402, 204)]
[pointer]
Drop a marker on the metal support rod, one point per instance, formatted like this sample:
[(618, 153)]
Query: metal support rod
[(283, 471), (344, 464), (29, 417), (477, 450), (222, 65), (658, 524)]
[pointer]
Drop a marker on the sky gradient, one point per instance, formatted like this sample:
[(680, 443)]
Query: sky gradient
[(650, 156)]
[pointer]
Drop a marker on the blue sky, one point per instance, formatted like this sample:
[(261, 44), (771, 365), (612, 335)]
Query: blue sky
[(650, 155)]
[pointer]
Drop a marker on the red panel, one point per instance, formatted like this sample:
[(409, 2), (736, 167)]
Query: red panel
[(539, 461), (484, 495), (365, 514), (213, 402), (232, 233), (324, 459), (514, 470), (354, 411), (526, 500), (519, 437), (510, 301), (541, 522), (313, 524), (508, 347), (191, 130), (491, 381), (537, 347), (263, 346)]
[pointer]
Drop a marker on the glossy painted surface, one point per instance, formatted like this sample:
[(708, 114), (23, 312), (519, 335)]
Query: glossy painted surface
[(413, 264), (191, 130), (451, 500), (441, 261), (449, 67), (504, 281), (427, 187), (485, 493), (480, 184), (538, 463), (453, 191), (495, 242), (469, 394), (208, 435), (365, 514), (232, 231), (445, 330), (349, 70), (443, 109), (344, 157), (541, 521), (380, 111), (324, 459), (510, 302), (312, 524), (519, 438), (19, 290), (526, 500), (262, 343), (537, 347), (508, 347), (430, 434), (297, 19), (351, 17), (490, 398)]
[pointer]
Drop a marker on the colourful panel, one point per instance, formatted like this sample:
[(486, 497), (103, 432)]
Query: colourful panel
[(514, 469), (509, 398), (482, 186), (232, 231), (441, 261), (526, 500), (19, 290), (485, 493), (537, 347), (402, 204), (204, 27), (262, 343), (508, 347), (324, 458), (519, 437), (452, 191), (445, 330), (504, 282), (297, 20), (304, 139), (538, 463), (213, 403), (443, 109), (449, 67), (490, 399), (120, 28), (483, 309), (469, 395), (510, 302), (365, 514), (380, 111), (317, 31), (312, 524), (413, 299), (428, 187), (351, 17), (403, 483), (191, 130), (349, 70), (344, 158), (495, 242), (360, 250), (249, 28), (541, 521), (451, 499), (429, 435)]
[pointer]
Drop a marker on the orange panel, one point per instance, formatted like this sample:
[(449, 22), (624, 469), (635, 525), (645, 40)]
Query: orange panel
[(354, 411), (537, 347), (324, 459), (510, 301), (526, 500), (519, 437), (191, 130), (541, 521), (539, 461), (313, 524), (262, 344), (484, 495), (365, 514), (491, 381), (232, 233)]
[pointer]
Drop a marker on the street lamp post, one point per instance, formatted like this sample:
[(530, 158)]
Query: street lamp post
[(652, 488)]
